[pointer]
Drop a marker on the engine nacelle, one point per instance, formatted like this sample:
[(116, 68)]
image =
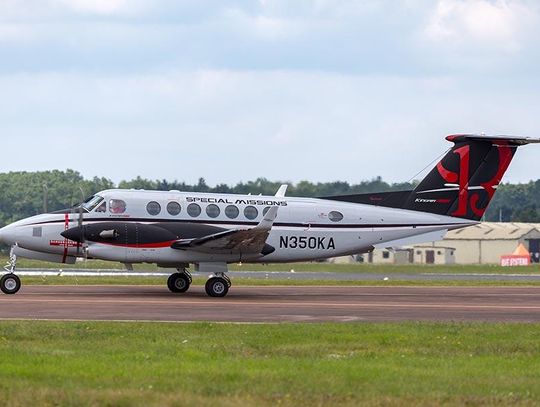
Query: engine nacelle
[(118, 253), (107, 252)]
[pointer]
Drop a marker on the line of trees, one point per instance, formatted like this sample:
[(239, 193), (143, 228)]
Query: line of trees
[(24, 194)]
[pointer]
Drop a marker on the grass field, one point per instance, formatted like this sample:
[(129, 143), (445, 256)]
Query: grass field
[(377, 270), (240, 281), (87, 364), (314, 267)]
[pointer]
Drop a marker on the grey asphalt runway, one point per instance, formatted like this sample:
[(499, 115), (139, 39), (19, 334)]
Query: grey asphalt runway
[(274, 304)]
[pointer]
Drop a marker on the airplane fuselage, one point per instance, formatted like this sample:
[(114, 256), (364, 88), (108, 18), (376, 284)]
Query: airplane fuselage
[(146, 223)]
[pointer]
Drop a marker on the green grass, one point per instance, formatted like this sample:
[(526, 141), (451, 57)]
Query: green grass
[(91, 364), (244, 281), (378, 271), (314, 267), (389, 268)]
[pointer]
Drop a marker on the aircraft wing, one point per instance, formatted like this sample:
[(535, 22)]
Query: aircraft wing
[(244, 241)]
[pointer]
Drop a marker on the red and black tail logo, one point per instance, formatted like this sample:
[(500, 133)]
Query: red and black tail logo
[(465, 180), (468, 197)]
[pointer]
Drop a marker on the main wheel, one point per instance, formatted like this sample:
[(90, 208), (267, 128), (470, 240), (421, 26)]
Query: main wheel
[(178, 283), (10, 284), (217, 287)]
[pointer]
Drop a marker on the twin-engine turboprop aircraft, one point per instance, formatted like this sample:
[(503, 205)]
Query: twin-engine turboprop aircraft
[(175, 229)]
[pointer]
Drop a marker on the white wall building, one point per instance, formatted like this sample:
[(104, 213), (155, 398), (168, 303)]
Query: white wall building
[(484, 243)]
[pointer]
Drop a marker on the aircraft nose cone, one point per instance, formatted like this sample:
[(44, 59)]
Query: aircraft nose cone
[(7, 236)]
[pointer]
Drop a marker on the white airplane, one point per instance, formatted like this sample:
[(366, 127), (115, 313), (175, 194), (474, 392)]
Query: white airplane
[(175, 229)]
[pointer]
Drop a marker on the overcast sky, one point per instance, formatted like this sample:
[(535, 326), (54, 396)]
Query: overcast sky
[(228, 90)]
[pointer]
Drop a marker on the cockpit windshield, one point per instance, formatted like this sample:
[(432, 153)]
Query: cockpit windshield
[(92, 203)]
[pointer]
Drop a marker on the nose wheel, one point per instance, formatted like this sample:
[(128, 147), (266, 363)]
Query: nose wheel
[(10, 283)]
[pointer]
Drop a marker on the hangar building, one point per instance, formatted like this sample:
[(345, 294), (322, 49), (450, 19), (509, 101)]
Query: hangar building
[(481, 244), (487, 242)]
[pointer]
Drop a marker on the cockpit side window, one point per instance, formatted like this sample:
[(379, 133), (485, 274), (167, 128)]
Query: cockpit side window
[(117, 206), (92, 203), (102, 208)]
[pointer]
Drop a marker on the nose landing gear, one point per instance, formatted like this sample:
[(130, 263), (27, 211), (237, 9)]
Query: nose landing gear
[(10, 283)]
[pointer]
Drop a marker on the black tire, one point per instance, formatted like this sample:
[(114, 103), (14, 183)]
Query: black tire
[(178, 283), (217, 287), (10, 284)]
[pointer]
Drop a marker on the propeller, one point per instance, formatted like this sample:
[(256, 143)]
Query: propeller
[(82, 241)]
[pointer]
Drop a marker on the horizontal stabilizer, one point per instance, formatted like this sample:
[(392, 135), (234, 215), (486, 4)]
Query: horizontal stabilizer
[(512, 140), (408, 241)]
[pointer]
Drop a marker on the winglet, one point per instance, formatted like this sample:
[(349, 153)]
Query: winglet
[(282, 191)]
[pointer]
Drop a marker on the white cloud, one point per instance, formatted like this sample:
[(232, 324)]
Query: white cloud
[(261, 26), (500, 24), (44, 10), (104, 7), (15, 33), (281, 125), (335, 89)]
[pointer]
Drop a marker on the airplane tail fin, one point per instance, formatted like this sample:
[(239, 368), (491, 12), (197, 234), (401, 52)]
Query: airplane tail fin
[(463, 182)]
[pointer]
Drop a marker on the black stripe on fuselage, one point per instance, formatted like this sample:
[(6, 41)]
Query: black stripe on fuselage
[(242, 224)]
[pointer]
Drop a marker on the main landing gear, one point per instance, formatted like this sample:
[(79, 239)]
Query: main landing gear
[(10, 283), (218, 284), (180, 282)]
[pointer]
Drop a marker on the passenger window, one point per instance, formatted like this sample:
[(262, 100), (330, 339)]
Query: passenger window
[(265, 210), (193, 210), (251, 212), (102, 208), (335, 216), (153, 208), (173, 208), (117, 206), (232, 212), (212, 211)]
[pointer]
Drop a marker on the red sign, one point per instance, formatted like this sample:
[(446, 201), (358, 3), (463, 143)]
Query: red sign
[(515, 260)]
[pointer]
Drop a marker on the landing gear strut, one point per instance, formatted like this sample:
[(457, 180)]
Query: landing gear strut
[(179, 282), (10, 283), (218, 285)]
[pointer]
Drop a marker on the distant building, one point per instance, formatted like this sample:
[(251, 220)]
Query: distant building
[(484, 243), (487, 242), (434, 255), (395, 256)]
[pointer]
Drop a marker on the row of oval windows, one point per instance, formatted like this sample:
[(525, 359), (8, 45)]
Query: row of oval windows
[(213, 211)]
